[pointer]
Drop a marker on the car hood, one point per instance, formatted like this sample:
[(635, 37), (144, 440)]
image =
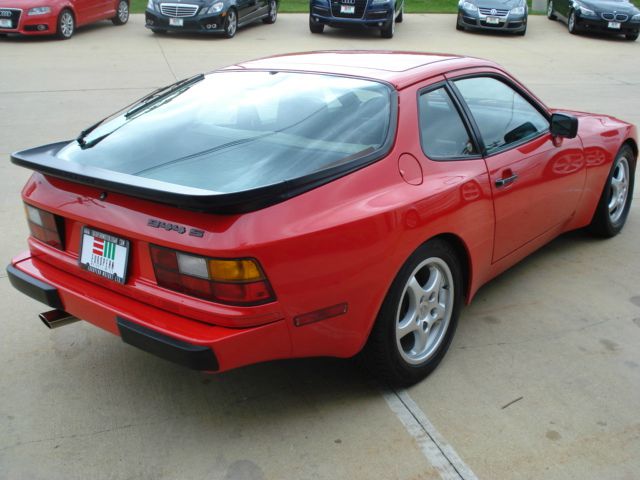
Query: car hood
[(499, 4), (610, 6), (23, 4)]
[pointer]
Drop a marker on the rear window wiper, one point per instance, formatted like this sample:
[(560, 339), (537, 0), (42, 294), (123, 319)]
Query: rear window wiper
[(87, 131), (162, 92)]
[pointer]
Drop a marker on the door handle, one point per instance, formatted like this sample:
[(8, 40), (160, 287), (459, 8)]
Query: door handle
[(503, 182)]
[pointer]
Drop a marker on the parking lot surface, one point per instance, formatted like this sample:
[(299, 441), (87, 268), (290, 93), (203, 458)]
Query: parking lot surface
[(542, 380)]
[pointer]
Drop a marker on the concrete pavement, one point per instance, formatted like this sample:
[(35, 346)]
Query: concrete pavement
[(542, 379)]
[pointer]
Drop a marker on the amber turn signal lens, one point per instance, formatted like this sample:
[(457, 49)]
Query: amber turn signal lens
[(244, 270)]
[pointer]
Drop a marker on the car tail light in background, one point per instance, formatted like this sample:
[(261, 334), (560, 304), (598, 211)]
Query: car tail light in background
[(231, 281), (45, 226)]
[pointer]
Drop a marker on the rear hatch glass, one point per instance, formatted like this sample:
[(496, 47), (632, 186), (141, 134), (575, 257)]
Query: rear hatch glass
[(211, 139)]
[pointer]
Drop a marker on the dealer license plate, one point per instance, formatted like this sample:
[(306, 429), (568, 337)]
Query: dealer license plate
[(494, 20), (615, 25), (5, 23), (104, 254), (176, 22), (351, 9)]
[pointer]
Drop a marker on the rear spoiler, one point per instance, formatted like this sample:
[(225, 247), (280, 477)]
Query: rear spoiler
[(44, 160)]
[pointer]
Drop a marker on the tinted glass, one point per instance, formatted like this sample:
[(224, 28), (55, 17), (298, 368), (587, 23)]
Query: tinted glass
[(236, 131), (443, 134), (503, 116)]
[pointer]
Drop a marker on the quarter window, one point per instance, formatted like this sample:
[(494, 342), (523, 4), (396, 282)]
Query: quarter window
[(443, 134), (503, 116)]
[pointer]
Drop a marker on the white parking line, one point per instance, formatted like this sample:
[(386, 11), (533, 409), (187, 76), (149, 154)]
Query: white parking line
[(438, 452)]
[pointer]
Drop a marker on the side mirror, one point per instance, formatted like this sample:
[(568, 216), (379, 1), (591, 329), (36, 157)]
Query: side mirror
[(564, 125)]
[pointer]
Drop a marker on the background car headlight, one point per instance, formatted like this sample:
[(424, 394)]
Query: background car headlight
[(216, 7), (587, 12), (469, 7), (39, 11), (517, 11), (150, 5), (636, 18)]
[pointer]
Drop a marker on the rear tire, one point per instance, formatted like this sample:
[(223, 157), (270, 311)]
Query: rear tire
[(550, 13), (122, 13), (315, 27), (273, 13), (418, 317), (66, 26), (615, 201)]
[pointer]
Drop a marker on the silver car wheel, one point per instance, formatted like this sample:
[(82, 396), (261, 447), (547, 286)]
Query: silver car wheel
[(424, 312), (232, 23), (67, 24), (273, 11), (619, 190), (123, 11)]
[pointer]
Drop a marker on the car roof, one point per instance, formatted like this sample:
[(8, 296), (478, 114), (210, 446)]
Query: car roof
[(401, 69)]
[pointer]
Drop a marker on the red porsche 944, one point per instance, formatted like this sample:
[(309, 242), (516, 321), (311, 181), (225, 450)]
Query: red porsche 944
[(316, 204)]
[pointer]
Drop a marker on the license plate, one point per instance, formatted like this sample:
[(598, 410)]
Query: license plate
[(5, 23), (176, 22), (104, 254), (348, 9), (614, 25), (493, 20)]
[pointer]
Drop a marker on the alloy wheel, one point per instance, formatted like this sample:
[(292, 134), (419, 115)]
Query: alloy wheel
[(424, 311), (66, 24), (619, 190), (123, 11)]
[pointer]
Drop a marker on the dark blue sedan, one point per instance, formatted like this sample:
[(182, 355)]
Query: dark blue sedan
[(381, 14)]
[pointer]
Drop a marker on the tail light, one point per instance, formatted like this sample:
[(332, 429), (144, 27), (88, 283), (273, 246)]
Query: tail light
[(45, 226), (234, 282)]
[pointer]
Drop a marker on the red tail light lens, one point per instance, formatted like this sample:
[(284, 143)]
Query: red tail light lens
[(45, 226), (233, 282)]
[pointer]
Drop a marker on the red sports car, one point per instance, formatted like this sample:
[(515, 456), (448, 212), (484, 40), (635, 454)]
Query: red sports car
[(58, 17), (312, 204)]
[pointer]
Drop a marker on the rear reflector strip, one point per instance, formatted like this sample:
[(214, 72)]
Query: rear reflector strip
[(319, 315)]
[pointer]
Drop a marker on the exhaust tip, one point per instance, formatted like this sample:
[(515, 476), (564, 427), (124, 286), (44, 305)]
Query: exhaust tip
[(57, 318)]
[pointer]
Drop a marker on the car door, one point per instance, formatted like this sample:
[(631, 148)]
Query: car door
[(246, 10), (536, 179), (561, 7), (85, 11)]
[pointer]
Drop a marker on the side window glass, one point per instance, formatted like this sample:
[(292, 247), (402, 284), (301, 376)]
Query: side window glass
[(503, 116), (443, 135)]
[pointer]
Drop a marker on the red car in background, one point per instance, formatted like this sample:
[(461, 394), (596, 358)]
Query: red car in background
[(317, 204), (58, 17)]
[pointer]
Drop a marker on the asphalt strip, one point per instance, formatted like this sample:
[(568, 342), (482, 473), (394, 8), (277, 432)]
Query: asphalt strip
[(438, 452)]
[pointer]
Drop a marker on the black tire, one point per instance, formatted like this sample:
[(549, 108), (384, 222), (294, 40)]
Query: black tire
[(607, 223), (273, 13), (459, 26), (550, 11), (386, 353), (631, 36), (231, 23), (122, 13), (572, 23), (315, 27), (400, 16), (66, 25), (388, 29)]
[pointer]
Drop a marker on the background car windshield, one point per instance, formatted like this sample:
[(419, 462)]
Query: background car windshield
[(235, 131)]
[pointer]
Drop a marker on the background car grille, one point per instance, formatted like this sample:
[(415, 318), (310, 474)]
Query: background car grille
[(14, 15), (499, 12), (359, 11), (178, 9), (620, 17)]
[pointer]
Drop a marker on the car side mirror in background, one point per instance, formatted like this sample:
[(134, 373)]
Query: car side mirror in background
[(563, 125)]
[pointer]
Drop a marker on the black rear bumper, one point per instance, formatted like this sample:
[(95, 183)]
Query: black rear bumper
[(163, 346)]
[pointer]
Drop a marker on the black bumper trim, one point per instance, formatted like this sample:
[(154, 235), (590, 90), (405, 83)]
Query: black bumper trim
[(34, 288), (163, 346)]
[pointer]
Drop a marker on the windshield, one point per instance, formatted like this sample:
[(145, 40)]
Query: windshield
[(235, 131)]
